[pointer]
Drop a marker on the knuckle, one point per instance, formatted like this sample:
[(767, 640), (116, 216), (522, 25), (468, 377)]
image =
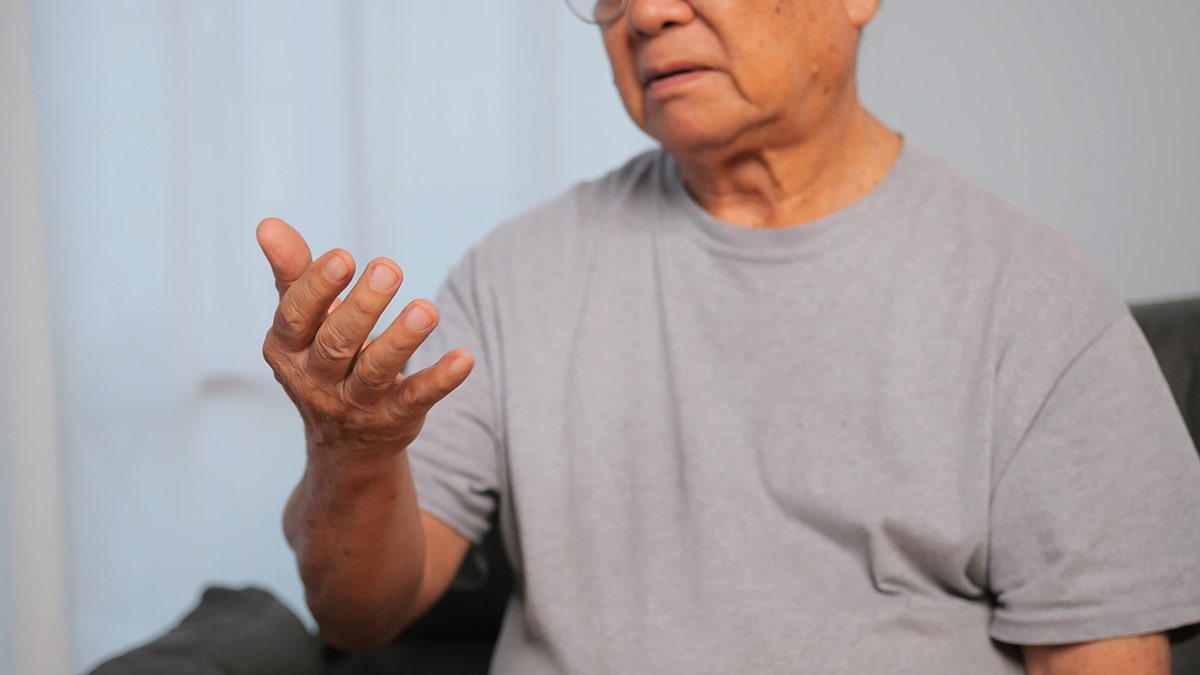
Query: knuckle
[(360, 310), (359, 394), (417, 398), (290, 319), (381, 362), (327, 409), (277, 357), (371, 376), (285, 371), (318, 403), (270, 348), (331, 345)]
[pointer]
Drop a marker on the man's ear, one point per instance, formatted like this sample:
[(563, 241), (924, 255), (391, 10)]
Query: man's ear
[(860, 12)]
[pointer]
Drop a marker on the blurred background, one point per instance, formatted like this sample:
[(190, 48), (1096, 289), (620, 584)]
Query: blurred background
[(146, 451)]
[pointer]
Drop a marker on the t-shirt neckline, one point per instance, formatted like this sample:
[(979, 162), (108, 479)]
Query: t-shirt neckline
[(788, 242)]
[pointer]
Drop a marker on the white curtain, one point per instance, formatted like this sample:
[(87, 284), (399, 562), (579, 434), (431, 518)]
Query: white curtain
[(142, 140), (165, 132), (34, 626)]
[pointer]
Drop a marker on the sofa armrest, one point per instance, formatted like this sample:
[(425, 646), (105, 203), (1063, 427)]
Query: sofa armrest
[(230, 632)]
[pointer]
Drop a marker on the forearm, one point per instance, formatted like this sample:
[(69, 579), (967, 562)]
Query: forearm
[(360, 547), (1137, 655), (370, 562)]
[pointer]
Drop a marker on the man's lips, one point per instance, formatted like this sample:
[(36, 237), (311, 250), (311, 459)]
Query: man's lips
[(670, 72)]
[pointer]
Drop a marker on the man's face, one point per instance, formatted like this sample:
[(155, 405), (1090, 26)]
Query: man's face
[(700, 74)]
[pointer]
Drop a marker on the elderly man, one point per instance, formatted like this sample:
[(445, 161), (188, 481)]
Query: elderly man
[(787, 395)]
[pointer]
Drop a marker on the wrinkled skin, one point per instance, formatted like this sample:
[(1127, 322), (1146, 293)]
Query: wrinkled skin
[(369, 560), (348, 389)]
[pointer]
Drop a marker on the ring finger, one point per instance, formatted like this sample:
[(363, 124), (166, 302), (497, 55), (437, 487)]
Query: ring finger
[(347, 326)]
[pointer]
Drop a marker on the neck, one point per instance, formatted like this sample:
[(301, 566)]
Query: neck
[(799, 181)]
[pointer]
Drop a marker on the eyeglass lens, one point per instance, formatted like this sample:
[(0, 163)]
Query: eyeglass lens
[(597, 11)]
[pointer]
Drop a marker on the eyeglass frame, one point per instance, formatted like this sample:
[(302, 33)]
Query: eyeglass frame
[(592, 19)]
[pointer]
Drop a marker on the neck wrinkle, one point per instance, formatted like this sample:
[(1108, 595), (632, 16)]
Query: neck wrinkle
[(797, 182)]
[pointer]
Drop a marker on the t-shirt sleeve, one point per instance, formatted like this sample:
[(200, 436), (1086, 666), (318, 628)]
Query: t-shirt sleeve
[(1096, 515), (454, 459)]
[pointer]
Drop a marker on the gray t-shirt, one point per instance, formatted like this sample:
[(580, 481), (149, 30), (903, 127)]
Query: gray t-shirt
[(878, 442)]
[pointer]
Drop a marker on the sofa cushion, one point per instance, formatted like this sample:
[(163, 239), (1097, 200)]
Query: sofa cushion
[(1173, 331), (231, 632)]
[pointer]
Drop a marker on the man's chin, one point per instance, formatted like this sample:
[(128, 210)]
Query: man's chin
[(693, 139)]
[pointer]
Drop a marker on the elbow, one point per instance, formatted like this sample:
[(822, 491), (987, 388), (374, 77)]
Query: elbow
[(361, 621), (357, 626)]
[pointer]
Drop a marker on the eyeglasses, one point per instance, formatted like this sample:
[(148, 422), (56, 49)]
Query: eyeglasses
[(599, 12)]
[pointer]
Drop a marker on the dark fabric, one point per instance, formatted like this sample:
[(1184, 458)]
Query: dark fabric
[(1173, 330), (475, 603), (444, 656), (1185, 651), (231, 632)]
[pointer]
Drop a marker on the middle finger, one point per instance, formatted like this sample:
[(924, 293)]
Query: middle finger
[(346, 328)]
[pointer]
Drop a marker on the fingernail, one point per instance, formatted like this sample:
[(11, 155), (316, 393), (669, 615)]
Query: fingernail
[(460, 365), (336, 269), (418, 319), (383, 278)]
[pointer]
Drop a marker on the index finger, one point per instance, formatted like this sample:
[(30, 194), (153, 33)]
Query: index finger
[(286, 251), (303, 308)]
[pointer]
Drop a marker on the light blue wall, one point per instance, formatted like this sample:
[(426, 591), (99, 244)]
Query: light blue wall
[(1081, 112), (408, 129)]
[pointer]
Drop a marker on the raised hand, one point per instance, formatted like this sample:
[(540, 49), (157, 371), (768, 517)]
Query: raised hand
[(348, 388)]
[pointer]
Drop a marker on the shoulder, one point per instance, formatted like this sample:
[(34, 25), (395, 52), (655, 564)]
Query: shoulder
[(540, 257), (1040, 279), (576, 213)]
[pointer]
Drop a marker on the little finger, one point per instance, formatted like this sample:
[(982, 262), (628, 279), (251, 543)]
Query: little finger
[(422, 390)]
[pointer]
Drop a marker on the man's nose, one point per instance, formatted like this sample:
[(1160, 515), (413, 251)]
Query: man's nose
[(651, 17)]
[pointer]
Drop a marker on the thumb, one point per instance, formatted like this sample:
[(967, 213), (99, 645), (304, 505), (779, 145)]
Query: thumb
[(286, 251)]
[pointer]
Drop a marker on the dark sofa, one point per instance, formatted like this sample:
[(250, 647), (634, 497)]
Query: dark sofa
[(248, 632)]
